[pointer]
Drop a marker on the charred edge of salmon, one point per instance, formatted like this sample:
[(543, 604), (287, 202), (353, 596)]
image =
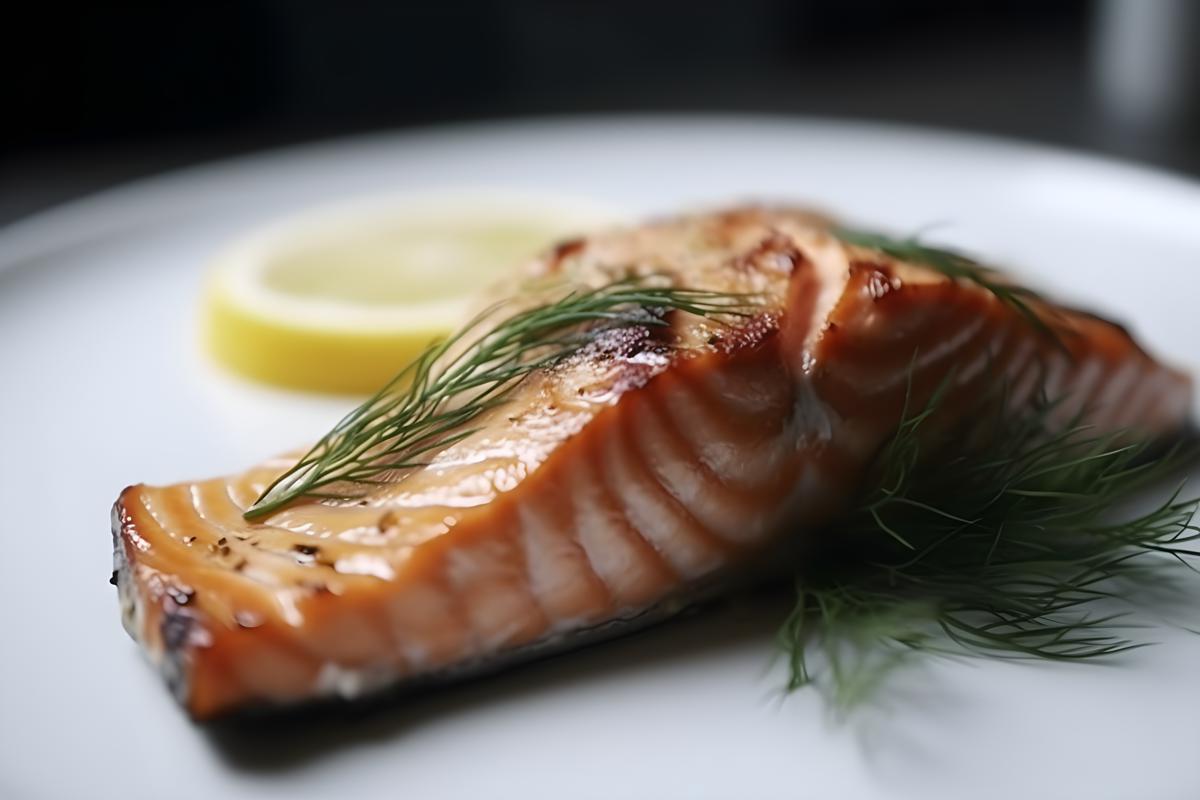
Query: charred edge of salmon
[(168, 640)]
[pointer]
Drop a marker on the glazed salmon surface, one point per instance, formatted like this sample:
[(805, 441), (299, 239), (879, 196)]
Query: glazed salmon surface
[(612, 487)]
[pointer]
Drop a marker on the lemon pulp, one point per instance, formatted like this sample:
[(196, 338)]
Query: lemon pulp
[(340, 301)]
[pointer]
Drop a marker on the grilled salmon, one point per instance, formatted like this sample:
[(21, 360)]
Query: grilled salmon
[(615, 487)]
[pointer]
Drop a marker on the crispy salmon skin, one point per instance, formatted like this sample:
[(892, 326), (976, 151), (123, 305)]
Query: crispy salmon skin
[(611, 488)]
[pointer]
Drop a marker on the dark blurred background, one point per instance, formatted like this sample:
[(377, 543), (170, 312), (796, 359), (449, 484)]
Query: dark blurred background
[(100, 93)]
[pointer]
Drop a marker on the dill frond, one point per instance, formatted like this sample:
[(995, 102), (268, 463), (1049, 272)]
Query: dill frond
[(1015, 548), (431, 403)]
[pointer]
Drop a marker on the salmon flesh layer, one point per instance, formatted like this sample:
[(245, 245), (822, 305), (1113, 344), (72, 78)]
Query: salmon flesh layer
[(613, 488)]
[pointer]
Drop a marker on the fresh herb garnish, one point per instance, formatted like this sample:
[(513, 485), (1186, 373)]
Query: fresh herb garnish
[(431, 403), (1016, 548), (1004, 549), (953, 264)]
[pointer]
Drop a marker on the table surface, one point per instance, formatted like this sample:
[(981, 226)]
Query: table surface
[(1033, 85)]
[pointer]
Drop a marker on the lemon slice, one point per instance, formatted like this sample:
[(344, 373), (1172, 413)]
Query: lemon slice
[(342, 299)]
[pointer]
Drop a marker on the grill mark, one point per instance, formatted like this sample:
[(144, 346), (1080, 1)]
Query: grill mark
[(562, 251), (881, 322), (800, 308), (895, 316), (774, 253), (750, 385)]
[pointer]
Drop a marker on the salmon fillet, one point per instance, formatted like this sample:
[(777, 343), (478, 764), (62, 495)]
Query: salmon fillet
[(613, 488)]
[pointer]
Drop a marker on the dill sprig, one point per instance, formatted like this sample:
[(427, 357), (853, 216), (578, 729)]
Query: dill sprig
[(1016, 548), (430, 404), (953, 264)]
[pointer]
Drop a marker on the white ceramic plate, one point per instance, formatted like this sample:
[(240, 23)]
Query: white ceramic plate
[(102, 387)]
